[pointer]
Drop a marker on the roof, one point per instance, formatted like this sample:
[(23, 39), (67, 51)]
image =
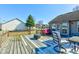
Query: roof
[(66, 17), (13, 20)]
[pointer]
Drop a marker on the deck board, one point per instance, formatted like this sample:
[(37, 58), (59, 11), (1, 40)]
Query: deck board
[(25, 48), (29, 49), (15, 46), (5, 49), (21, 47), (39, 44), (18, 47), (12, 47), (8, 48)]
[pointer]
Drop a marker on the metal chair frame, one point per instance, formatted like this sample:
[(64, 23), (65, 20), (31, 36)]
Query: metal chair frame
[(57, 40)]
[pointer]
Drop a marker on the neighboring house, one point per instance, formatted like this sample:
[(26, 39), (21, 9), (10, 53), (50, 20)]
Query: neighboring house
[(67, 24), (45, 26), (41, 26), (14, 25), (38, 26)]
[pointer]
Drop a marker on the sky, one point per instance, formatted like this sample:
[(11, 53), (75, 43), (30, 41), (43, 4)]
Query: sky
[(40, 12)]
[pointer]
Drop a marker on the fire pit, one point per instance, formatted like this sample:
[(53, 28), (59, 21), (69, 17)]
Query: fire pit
[(37, 36)]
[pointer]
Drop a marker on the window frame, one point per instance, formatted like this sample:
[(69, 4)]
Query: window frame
[(77, 26), (65, 26), (54, 26)]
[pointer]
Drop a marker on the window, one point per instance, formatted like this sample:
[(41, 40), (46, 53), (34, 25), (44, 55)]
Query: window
[(65, 25), (64, 28), (78, 29), (78, 26), (54, 26)]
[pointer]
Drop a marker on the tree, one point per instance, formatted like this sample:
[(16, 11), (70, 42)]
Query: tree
[(30, 22), (76, 8)]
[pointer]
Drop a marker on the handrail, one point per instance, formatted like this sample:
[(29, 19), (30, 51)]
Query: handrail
[(27, 44), (32, 44)]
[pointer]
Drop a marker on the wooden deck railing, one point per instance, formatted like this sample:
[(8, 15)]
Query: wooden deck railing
[(3, 37), (33, 45), (30, 47), (14, 33)]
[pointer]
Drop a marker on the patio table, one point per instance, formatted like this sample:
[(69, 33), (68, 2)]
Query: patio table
[(75, 41)]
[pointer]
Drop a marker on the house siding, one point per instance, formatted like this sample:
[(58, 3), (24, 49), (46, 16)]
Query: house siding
[(13, 25), (72, 18), (74, 29), (59, 27)]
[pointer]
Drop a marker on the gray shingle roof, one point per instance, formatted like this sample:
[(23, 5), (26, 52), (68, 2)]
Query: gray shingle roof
[(13, 20), (66, 17)]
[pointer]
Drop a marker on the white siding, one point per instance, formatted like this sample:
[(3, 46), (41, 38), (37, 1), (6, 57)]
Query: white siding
[(13, 25)]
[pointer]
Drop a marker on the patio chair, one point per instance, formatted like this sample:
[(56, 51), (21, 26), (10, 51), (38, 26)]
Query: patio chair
[(57, 40)]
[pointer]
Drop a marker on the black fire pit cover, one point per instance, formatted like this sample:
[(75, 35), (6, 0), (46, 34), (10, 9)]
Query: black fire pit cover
[(37, 36)]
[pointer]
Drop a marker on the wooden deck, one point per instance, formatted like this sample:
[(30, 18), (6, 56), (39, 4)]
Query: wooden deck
[(19, 45), (15, 46)]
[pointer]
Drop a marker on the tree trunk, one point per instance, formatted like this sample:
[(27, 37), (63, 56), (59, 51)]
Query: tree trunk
[(29, 30)]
